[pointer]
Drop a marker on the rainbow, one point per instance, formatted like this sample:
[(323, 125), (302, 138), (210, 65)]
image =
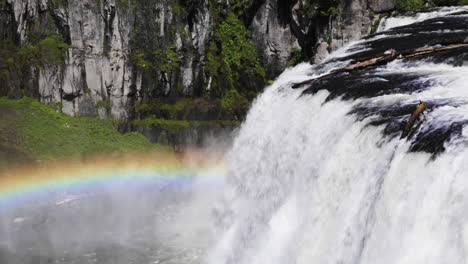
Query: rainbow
[(26, 183)]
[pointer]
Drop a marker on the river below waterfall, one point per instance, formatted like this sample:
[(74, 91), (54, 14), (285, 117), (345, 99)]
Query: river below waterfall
[(316, 174)]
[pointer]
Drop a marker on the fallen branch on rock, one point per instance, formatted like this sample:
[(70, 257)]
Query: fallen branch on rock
[(389, 56)]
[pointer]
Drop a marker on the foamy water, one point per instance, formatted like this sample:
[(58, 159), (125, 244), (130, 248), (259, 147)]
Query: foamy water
[(312, 183)]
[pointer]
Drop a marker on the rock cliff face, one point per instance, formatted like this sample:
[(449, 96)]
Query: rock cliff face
[(108, 57), (107, 71)]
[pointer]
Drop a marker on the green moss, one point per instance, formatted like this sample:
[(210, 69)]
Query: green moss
[(238, 50), (45, 134), (57, 3), (126, 4), (234, 103), (48, 51), (410, 5), (172, 126), (58, 106), (142, 108), (376, 22), (18, 61), (138, 57), (327, 7), (168, 58), (178, 9), (296, 57), (3, 4), (239, 7), (176, 126), (179, 109), (104, 104)]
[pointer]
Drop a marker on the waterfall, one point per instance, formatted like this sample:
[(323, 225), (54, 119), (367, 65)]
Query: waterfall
[(319, 174)]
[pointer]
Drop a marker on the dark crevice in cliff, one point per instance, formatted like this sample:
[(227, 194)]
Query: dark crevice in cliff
[(109, 16), (285, 11)]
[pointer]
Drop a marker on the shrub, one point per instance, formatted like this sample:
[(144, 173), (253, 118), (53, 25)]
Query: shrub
[(409, 5), (232, 54), (295, 57)]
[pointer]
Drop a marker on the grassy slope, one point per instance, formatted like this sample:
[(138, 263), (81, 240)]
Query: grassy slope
[(30, 131)]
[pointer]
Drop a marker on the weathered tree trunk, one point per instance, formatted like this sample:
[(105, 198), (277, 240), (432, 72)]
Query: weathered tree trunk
[(365, 62)]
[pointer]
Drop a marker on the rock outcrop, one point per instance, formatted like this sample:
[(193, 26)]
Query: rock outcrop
[(104, 74), (123, 53)]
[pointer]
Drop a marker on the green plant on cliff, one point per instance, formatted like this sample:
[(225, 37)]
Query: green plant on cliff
[(52, 50), (57, 3), (296, 57), (239, 7), (172, 126), (139, 58), (327, 7), (412, 5), (409, 5), (168, 58), (231, 54), (48, 51), (234, 103), (17, 62)]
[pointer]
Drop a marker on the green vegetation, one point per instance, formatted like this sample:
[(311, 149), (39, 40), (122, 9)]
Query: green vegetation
[(232, 58), (237, 49), (165, 60), (168, 58), (234, 103), (188, 112), (327, 7), (175, 126), (409, 5), (139, 59), (296, 57), (17, 62), (232, 106), (57, 3), (412, 5), (240, 7), (175, 110), (104, 104), (33, 130), (231, 55), (125, 4), (50, 50), (172, 126)]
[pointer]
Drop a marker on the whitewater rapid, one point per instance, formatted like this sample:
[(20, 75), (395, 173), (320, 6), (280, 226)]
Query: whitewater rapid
[(312, 178)]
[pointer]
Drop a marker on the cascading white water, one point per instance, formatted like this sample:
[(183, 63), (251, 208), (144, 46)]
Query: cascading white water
[(403, 20), (308, 182)]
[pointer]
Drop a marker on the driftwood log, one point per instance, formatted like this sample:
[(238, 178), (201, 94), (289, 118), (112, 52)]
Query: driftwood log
[(409, 125), (392, 55)]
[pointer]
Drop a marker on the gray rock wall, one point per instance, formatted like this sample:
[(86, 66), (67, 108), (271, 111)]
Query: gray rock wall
[(99, 77)]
